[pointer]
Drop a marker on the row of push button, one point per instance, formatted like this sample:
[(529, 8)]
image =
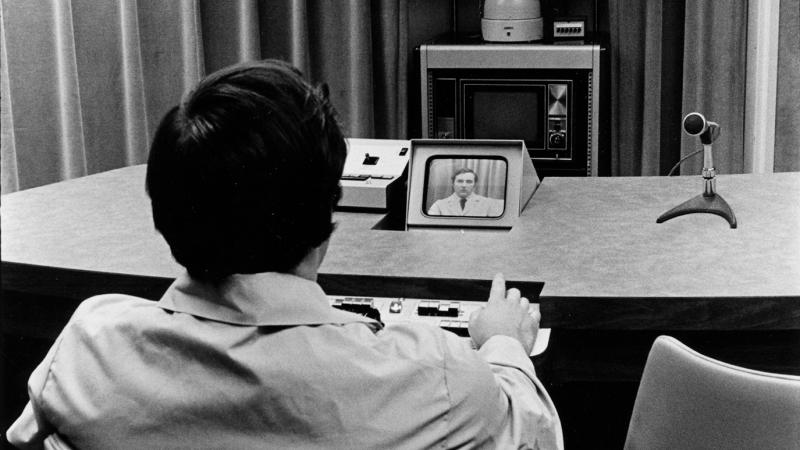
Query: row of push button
[(436, 308), (358, 305), (366, 306), (363, 177), (362, 305), (569, 30)]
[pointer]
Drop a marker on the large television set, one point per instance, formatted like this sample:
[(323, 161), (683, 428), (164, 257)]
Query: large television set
[(549, 95), (468, 183)]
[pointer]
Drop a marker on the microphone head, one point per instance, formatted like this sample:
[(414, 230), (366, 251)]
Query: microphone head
[(694, 123)]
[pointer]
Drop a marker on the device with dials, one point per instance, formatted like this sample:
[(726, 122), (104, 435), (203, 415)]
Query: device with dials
[(450, 315), (374, 172)]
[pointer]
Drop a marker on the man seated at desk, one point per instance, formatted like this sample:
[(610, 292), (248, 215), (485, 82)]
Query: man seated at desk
[(244, 349), (464, 201)]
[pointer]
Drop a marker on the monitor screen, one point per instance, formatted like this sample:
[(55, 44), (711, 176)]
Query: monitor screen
[(465, 186), (468, 183), (506, 114)]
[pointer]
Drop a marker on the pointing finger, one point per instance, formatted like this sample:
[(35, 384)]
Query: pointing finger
[(498, 291)]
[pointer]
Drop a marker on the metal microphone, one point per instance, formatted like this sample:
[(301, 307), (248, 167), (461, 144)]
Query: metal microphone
[(695, 124)]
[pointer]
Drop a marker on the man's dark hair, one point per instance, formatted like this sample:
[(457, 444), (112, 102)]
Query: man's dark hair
[(243, 176), (464, 170)]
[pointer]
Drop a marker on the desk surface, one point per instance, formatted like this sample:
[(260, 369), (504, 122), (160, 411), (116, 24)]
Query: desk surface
[(593, 241)]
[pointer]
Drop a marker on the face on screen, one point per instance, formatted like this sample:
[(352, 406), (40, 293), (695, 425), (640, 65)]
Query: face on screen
[(464, 184), (465, 187)]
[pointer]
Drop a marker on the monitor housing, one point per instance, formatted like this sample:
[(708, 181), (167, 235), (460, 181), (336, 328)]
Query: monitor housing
[(514, 181), (553, 96)]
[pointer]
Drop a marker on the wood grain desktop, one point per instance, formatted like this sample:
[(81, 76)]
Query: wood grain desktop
[(614, 278), (594, 242)]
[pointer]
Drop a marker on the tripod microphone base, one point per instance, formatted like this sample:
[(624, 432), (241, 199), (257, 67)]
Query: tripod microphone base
[(712, 204)]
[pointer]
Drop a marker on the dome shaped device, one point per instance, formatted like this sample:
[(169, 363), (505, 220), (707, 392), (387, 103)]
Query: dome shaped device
[(511, 21)]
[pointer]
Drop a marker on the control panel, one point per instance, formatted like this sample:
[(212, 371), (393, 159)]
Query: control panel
[(449, 315), (557, 113), (374, 173), (569, 28)]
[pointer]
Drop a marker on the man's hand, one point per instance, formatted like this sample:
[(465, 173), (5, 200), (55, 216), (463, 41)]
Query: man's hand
[(506, 313)]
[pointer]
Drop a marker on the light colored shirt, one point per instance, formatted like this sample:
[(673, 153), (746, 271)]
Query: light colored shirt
[(475, 206), (263, 361)]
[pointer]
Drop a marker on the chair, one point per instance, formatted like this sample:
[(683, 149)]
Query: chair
[(690, 401)]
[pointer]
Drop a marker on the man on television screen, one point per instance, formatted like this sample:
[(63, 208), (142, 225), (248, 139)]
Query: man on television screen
[(464, 201)]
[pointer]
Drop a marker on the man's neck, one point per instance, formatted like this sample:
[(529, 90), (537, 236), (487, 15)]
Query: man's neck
[(308, 268)]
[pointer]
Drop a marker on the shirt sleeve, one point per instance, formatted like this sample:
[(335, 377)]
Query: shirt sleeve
[(506, 398), (31, 427), (532, 419)]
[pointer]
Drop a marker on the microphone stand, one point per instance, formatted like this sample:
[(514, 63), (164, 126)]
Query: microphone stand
[(709, 201)]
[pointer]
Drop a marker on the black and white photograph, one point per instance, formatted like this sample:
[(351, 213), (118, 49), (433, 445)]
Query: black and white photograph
[(400, 224)]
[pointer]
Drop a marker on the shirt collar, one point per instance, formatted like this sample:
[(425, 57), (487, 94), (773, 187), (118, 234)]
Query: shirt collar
[(456, 197), (262, 299)]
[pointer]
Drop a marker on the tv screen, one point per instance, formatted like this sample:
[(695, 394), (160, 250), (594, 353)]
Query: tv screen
[(468, 183), (465, 186), (506, 114)]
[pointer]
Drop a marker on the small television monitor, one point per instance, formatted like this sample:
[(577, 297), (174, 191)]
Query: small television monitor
[(468, 183)]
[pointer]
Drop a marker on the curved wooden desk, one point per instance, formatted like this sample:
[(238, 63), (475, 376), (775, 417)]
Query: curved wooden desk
[(605, 262), (613, 277)]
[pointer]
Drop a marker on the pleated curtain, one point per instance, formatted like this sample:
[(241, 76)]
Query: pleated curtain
[(787, 108), (85, 82), (669, 58), (672, 57)]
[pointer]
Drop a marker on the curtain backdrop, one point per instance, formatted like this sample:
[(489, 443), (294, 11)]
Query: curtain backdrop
[(660, 49), (714, 67), (787, 112), (672, 57), (84, 83)]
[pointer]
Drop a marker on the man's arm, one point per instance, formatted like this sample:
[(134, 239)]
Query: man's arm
[(31, 427), (531, 419), (505, 332)]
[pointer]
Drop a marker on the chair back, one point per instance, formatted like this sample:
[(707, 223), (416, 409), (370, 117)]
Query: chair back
[(690, 401)]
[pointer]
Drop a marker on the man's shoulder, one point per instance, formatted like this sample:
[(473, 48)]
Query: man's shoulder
[(444, 205), (488, 204), (478, 197), (449, 199), (112, 310), (113, 302)]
